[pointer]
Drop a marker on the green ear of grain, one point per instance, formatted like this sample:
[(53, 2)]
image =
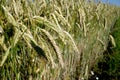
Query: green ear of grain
[(9, 17)]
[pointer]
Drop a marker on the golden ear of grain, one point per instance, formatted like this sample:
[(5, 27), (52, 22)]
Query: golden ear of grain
[(73, 42), (56, 21), (15, 8), (59, 54), (28, 37), (112, 40), (50, 25), (64, 21), (45, 21), (1, 30)]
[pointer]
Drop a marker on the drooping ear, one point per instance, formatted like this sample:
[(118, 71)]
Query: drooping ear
[(39, 50)]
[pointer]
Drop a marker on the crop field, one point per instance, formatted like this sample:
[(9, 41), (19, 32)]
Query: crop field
[(54, 39)]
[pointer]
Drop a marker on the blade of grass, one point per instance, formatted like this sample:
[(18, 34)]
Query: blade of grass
[(5, 56)]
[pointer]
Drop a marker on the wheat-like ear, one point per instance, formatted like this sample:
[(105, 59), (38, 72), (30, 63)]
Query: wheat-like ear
[(50, 25), (9, 17), (28, 37), (73, 42), (15, 8), (1, 29), (64, 21), (59, 54), (45, 21), (112, 40)]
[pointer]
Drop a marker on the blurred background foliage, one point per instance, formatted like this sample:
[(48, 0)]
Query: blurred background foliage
[(108, 67)]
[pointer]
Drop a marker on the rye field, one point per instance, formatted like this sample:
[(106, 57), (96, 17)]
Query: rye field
[(54, 39)]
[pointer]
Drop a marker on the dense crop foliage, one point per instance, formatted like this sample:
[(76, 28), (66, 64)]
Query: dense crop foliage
[(52, 39)]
